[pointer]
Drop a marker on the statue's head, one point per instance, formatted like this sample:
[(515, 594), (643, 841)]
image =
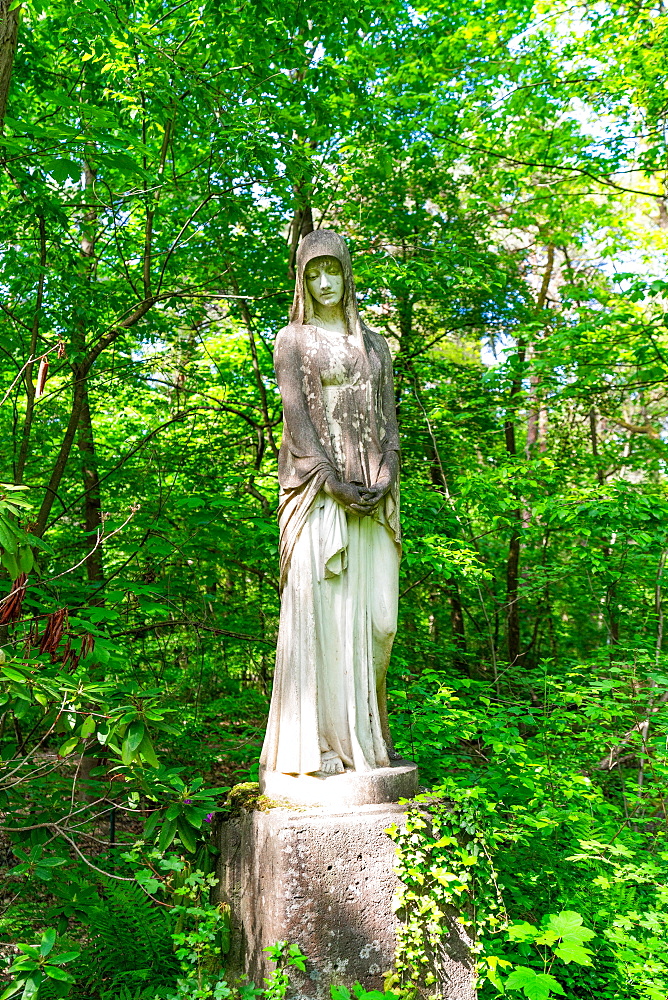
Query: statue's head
[(324, 276)]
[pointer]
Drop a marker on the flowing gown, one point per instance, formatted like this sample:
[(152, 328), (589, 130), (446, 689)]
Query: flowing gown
[(339, 572)]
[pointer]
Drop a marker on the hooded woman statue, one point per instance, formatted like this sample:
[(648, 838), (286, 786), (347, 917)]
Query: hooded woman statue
[(338, 470)]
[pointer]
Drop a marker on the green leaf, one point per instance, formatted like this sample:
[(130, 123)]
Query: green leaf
[(147, 753), (167, 834), (30, 950), (68, 746), (8, 539), (65, 957), (10, 564), (569, 951), (569, 926), (87, 727), (521, 979), (187, 835), (14, 674), (194, 816), (135, 735), (151, 823), (31, 986), (535, 986), (522, 932), (53, 972), (103, 732), (148, 880), (26, 559), (63, 169), (48, 941)]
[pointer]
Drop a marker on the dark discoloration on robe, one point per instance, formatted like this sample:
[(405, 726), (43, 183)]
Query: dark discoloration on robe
[(307, 362)]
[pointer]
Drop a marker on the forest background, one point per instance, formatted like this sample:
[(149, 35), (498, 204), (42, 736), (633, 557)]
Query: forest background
[(499, 171)]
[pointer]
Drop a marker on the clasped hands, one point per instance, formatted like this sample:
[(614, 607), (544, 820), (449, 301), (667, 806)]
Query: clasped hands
[(358, 499)]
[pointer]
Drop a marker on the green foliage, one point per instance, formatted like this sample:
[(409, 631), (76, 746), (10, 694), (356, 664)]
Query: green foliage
[(286, 956), (358, 992), (201, 937), (497, 169), (36, 965), (449, 880), (16, 554), (526, 840), (128, 934)]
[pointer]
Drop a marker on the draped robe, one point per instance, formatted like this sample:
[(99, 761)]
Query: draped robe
[(338, 572)]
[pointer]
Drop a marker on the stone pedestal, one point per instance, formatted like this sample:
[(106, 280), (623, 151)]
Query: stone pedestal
[(322, 878), (343, 791)]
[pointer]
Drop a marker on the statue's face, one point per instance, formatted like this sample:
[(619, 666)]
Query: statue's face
[(324, 280)]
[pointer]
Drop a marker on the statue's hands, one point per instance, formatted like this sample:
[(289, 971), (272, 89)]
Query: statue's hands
[(383, 485), (349, 496), (374, 494)]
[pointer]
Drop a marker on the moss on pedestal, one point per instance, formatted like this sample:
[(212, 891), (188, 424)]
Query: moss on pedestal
[(247, 795)]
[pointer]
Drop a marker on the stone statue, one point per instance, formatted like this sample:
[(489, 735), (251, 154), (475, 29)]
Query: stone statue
[(338, 471)]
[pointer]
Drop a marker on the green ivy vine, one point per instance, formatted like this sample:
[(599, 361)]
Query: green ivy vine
[(450, 906)]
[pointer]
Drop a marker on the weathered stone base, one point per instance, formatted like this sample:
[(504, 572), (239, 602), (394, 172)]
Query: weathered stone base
[(343, 791), (324, 880)]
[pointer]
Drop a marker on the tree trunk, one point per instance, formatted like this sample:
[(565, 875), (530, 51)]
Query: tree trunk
[(264, 403), (302, 222), (85, 437), (537, 419), (457, 621), (593, 434), (9, 33), (513, 561), (92, 502), (451, 586), (611, 591), (32, 351), (63, 453)]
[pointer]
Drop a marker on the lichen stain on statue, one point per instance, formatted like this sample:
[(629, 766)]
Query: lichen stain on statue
[(340, 541)]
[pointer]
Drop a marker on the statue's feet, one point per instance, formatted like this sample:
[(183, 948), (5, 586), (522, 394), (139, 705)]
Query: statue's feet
[(330, 763), (392, 753)]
